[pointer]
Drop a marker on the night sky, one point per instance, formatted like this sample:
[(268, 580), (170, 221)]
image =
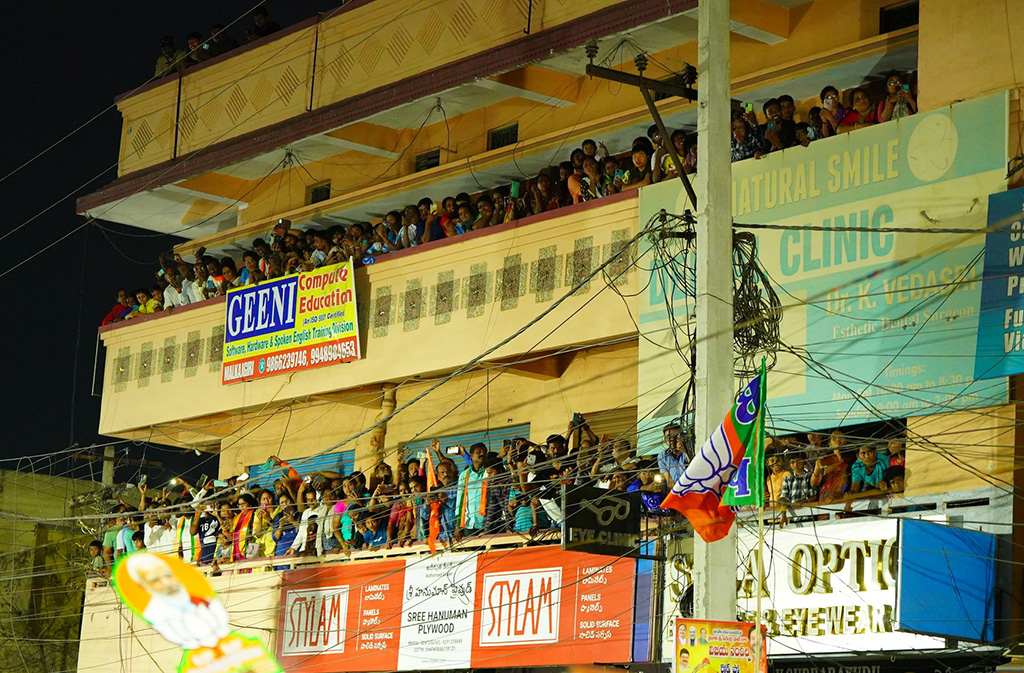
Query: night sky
[(63, 64)]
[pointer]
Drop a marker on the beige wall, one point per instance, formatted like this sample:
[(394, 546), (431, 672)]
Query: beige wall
[(960, 451)]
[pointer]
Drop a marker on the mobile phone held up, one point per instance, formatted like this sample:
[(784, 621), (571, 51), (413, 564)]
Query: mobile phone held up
[(453, 450)]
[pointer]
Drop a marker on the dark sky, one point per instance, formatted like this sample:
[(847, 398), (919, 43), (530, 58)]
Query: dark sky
[(63, 63)]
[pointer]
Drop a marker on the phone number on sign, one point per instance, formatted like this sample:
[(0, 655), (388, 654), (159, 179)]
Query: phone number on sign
[(346, 350), (293, 360)]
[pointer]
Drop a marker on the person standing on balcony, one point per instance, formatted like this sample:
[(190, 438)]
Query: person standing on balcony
[(830, 471), (122, 308), (263, 25), (197, 52), (471, 508), (868, 470), (796, 488), (776, 133), (745, 141), (832, 111), (170, 60), (777, 475), (862, 114), (174, 295), (899, 102), (220, 42)]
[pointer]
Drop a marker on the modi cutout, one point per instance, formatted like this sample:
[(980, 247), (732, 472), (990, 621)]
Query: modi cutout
[(181, 617)]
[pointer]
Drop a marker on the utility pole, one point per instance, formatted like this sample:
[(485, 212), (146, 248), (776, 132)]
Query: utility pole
[(714, 564), (108, 466)]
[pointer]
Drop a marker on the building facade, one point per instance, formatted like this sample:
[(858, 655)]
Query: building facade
[(509, 330)]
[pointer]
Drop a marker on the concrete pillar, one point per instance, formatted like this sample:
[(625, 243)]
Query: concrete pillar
[(714, 564)]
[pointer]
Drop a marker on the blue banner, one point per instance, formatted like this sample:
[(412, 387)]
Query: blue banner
[(1000, 349)]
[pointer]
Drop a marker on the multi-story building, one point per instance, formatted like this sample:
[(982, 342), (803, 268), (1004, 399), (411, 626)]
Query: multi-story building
[(510, 330)]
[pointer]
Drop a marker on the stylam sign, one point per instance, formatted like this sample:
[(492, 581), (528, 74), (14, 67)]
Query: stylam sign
[(315, 621), (521, 607)]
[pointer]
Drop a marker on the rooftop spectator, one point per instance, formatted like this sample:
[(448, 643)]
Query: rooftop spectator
[(898, 101), (262, 26), (860, 114), (893, 480), (829, 474), (896, 452), (796, 488), (471, 507), (97, 564), (672, 460), (640, 174), (777, 474), (664, 167), (868, 470), (745, 141), (777, 133), (122, 307), (197, 52), (814, 119), (804, 134), (220, 42), (832, 111), (170, 60), (787, 106)]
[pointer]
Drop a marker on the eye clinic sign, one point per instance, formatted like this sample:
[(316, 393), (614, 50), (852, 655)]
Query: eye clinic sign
[(289, 324), (829, 588), (600, 521)]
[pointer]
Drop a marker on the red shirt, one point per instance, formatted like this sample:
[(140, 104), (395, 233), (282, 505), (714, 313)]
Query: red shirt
[(119, 311)]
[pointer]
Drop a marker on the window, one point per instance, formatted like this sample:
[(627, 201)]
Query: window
[(616, 423), (896, 17), (506, 135), (318, 193), (428, 160)]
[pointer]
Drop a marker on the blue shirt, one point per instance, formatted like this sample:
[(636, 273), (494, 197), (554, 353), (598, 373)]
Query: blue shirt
[(673, 465), (859, 472), (378, 539)]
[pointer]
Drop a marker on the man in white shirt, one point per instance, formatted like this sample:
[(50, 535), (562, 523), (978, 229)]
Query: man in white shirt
[(174, 294)]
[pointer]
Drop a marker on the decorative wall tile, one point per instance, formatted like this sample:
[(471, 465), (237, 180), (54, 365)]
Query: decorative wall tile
[(168, 359), (445, 299), (581, 263), (215, 348), (413, 305), (477, 290), (618, 271), (122, 369), (511, 282), (193, 353), (383, 311), (545, 273), (145, 365)]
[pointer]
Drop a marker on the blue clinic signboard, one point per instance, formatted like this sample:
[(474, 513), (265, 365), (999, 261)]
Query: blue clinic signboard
[(876, 323), (1000, 350)]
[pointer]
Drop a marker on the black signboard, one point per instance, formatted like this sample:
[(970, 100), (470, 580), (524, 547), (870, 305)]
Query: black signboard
[(599, 521)]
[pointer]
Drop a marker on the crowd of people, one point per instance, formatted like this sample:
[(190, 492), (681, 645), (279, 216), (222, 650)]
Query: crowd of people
[(173, 60), (451, 494), (591, 172), (781, 130)]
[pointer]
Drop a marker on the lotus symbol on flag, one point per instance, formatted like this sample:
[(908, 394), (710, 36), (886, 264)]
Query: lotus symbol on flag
[(711, 470)]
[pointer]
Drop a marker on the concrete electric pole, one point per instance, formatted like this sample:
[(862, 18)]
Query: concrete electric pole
[(714, 564)]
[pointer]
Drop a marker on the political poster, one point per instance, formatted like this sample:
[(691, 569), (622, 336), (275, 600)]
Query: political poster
[(290, 324), (719, 647), (179, 603)]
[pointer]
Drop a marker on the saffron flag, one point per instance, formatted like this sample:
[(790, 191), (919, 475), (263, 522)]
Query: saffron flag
[(729, 468)]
